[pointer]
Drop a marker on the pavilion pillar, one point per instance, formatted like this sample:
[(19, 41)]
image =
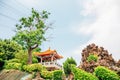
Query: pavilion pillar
[(52, 58), (41, 60)]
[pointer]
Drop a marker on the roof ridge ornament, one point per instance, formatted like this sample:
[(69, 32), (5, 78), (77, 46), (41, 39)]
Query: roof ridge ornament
[(49, 48)]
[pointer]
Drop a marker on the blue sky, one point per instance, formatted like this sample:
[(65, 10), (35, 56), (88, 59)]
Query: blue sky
[(76, 23)]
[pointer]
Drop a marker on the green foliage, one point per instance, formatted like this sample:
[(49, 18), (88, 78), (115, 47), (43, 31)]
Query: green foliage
[(34, 60), (13, 60), (52, 75), (13, 65), (81, 74), (92, 57), (37, 49), (57, 75), (66, 65), (33, 67), (46, 74), (105, 74), (23, 57), (30, 32), (1, 63), (8, 49)]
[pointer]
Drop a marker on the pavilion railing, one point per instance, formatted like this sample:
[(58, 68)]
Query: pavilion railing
[(51, 64)]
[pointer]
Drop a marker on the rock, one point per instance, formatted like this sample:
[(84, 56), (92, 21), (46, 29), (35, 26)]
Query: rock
[(104, 59)]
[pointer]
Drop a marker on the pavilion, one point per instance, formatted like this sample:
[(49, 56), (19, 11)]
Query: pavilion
[(49, 59)]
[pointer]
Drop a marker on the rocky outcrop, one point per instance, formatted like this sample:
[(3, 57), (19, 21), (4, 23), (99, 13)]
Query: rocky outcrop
[(11, 75), (104, 59)]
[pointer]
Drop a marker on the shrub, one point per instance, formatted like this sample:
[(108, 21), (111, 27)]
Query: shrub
[(23, 57), (8, 49), (13, 60), (33, 67), (105, 74), (13, 65), (34, 60), (46, 74), (66, 66), (92, 57), (57, 75), (1, 63), (81, 74)]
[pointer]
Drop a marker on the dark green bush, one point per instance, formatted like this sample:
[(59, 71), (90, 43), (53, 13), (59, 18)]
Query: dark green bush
[(1, 63), (46, 74), (66, 66), (92, 57), (33, 67), (13, 65), (81, 74), (57, 75), (34, 60), (105, 74)]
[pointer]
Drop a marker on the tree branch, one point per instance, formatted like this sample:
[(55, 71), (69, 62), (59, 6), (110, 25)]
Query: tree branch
[(48, 27), (35, 46)]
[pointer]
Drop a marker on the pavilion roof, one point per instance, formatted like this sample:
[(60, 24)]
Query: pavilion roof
[(48, 53)]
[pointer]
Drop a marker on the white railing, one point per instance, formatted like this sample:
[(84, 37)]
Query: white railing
[(52, 64)]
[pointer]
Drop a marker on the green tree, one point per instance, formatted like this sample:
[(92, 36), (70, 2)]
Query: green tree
[(67, 64), (8, 49), (30, 31)]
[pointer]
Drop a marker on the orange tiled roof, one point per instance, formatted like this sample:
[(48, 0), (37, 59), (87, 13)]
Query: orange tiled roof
[(48, 52)]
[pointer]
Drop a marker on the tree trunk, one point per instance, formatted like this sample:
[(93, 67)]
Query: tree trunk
[(70, 76), (29, 56)]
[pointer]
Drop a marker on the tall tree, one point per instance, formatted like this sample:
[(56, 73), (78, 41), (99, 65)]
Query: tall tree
[(30, 31)]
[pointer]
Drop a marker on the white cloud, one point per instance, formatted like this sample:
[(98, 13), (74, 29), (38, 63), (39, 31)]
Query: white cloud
[(105, 30)]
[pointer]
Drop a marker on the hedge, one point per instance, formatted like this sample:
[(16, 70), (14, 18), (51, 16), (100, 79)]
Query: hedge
[(105, 74), (33, 67), (81, 74), (46, 74), (13, 60), (57, 75), (1, 63), (14, 65)]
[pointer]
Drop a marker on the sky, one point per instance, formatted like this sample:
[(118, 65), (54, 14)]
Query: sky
[(76, 23)]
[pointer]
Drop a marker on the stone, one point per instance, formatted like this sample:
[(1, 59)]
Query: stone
[(104, 59)]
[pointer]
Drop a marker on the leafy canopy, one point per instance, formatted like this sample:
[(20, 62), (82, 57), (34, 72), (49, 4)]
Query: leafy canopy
[(30, 32)]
